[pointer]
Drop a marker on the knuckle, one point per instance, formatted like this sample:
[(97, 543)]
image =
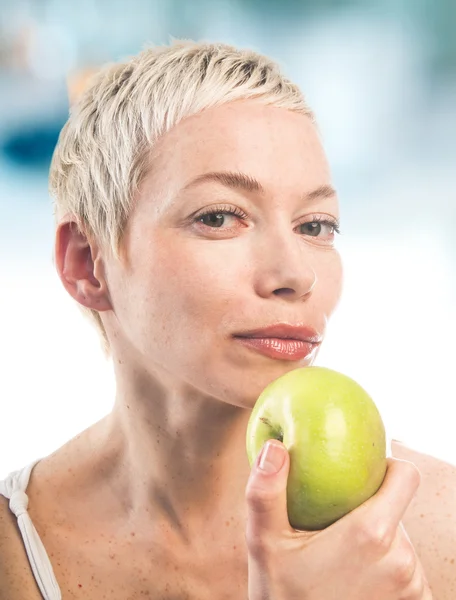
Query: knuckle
[(260, 547), (374, 538), (260, 500), (417, 590), (404, 571)]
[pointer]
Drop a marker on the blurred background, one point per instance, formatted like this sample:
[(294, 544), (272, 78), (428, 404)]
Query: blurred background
[(381, 76)]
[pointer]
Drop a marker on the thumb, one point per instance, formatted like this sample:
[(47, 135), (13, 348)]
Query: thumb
[(266, 494)]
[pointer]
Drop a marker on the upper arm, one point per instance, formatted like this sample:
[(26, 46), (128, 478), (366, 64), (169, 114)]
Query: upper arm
[(16, 578), (430, 521)]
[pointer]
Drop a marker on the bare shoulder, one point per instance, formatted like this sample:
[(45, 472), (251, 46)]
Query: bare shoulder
[(437, 492), (431, 519), (16, 578)]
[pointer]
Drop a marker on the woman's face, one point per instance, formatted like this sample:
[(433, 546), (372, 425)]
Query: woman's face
[(191, 282)]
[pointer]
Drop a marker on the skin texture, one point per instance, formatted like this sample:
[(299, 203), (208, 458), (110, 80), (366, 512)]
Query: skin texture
[(143, 502)]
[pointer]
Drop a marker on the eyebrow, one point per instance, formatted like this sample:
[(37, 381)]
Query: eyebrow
[(228, 179), (237, 180)]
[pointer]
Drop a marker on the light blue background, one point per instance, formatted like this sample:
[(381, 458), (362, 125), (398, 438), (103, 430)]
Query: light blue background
[(381, 76)]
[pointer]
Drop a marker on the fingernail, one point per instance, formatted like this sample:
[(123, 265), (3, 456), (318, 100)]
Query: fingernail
[(272, 458)]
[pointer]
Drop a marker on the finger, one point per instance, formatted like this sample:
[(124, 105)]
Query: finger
[(401, 567), (418, 588), (266, 494), (401, 570)]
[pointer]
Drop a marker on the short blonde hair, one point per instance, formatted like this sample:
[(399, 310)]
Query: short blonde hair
[(103, 149)]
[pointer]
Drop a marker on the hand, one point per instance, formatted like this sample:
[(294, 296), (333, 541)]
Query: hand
[(366, 555)]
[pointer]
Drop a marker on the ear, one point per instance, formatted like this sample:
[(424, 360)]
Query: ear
[(80, 267)]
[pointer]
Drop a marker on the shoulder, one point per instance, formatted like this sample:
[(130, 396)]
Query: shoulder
[(16, 578), (436, 495), (430, 520)]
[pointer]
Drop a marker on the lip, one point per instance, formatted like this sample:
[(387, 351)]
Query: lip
[(284, 331), (279, 348)]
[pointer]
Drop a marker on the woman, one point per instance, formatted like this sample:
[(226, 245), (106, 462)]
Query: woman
[(194, 208)]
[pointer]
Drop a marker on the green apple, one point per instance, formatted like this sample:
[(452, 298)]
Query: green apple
[(335, 437)]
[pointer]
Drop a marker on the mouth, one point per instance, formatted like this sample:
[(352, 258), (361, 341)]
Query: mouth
[(279, 348), (284, 331)]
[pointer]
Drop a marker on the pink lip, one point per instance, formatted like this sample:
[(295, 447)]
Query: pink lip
[(284, 331), (285, 349)]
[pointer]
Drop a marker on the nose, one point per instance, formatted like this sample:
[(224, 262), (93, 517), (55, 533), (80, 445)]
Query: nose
[(283, 267)]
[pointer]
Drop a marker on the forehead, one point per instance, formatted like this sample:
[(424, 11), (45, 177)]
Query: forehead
[(278, 147)]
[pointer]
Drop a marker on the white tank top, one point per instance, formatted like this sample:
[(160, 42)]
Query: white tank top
[(14, 488)]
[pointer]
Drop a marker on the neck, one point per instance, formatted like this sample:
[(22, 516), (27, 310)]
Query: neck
[(180, 455)]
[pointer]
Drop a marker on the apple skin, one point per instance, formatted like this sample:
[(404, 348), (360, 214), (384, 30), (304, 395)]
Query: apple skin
[(335, 437)]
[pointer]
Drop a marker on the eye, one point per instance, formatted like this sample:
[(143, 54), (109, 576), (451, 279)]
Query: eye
[(319, 225), (216, 217)]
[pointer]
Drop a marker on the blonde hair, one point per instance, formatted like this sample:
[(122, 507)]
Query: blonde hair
[(103, 149)]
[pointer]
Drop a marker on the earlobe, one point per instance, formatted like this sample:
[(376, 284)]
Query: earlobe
[(80, 267)]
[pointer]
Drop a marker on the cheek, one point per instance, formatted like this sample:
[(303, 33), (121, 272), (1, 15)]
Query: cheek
[(197, 287), (330, 280), (183, 294)]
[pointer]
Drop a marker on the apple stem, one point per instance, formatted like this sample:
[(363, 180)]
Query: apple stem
[(277, 433)]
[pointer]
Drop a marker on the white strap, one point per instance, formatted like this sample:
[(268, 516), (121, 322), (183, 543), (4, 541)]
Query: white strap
[(13, 487)]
